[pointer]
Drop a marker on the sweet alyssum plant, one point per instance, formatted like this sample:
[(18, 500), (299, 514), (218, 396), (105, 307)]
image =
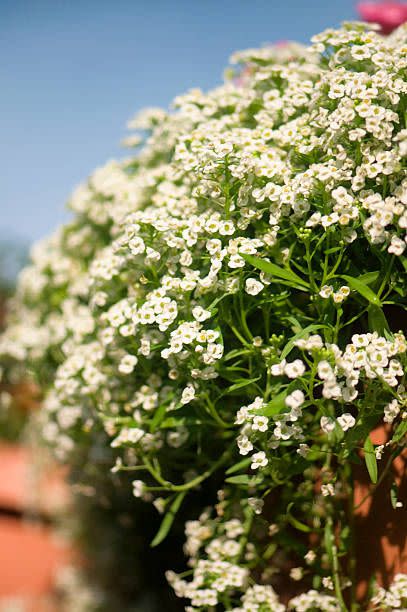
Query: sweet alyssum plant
[(225, 308)]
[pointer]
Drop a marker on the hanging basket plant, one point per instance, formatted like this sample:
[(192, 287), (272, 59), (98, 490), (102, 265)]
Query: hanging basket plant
[(222, 321)]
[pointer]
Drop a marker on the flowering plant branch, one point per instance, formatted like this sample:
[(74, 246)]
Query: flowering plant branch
[(224, 310)]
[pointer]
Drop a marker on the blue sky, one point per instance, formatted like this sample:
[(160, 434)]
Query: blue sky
[(72, 73)]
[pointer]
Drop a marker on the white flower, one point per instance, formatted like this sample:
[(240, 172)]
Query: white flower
[(127, 364), (397, 246), (243, 415), (234, 528), (260, 423), (259, 460), (136, 245), (327, 220), (200, 314), (188, 394), (391, 411), (273, 529), (346, 421), (327, 424), (278, 368), (256, 504), (294, 369), (326, 291), (310, 557), (296, 573), (327, 489), (379, 450), (303, 450), (295, 399), (328, 583), (324, 370), (253, 286), (138, 488), (244, 444)]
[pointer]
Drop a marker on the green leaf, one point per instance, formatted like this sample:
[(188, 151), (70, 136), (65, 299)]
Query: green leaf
[(401, 431), (168, 520), (362, 288), (363, 428), (290, 344), (171, 422), (295, 522), (377, 319), (394, 493), (370, 459), (274, 270), (277, 404), (158, 417), (216, 301), (270, 550), (238, 466), (333, 250), (241, 479), (237, 353), (369, 278), (240, 385)]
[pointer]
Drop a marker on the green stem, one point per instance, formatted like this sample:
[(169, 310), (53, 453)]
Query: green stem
[(196, 481), (310, 268), (333, 554), (337, 582), (352, 552), (214, 413), (386, 277), (378, 483)]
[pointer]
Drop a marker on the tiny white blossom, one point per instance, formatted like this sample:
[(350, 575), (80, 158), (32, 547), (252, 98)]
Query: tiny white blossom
[(327, 489), (327, 424), (294, 369), (188, 394), (326, 291), (253, 286), (295, 399), (127, 364), (260, 423), (259, 460), (346, 421), (138, 488)]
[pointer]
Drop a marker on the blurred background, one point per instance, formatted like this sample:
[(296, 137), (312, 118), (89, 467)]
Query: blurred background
[(74, 71)]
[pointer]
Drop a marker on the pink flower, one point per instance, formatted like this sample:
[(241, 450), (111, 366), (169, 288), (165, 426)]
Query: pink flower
[(389, 15)]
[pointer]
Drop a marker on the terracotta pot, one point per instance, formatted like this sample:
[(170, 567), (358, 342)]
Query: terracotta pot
[(381, 530), (30, 552)]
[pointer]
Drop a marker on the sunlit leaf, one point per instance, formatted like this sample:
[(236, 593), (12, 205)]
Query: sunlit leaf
[(301, 334), (377, 319), (370, 459), (362, 288), (168, 519), (277, 271), (240, 465), (241, 479)]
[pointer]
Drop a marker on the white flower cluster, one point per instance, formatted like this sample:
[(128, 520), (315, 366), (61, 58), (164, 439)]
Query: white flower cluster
[(226, 541), (395, 598), (313, 600), (216, 573), (340, 372), (260, 597)]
